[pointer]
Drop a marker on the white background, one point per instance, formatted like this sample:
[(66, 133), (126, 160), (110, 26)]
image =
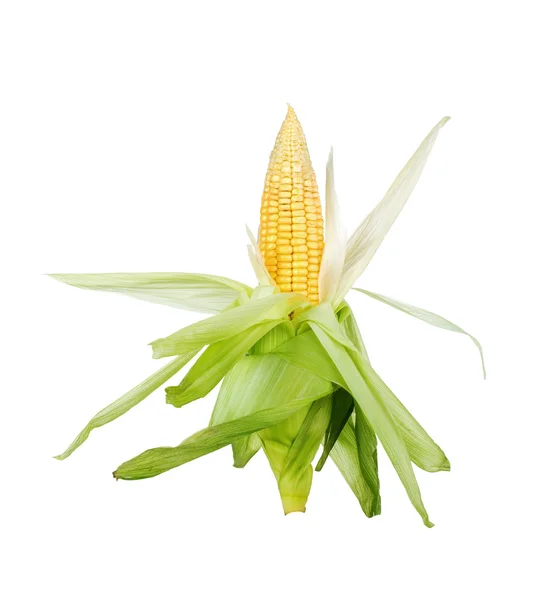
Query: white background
[(134, 136)]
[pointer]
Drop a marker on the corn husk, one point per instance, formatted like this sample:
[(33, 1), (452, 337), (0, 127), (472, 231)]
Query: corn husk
[(293, 377)]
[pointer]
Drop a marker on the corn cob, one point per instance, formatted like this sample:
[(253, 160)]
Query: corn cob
[(291, 234)]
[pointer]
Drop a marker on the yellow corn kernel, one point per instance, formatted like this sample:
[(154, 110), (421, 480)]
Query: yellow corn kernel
[(284, 273)]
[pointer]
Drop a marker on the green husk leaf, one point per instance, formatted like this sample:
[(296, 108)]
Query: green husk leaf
[(258, 382), (227, 324), (322, 314), (374, 410), (305, 351), (190, 291), (367, 452), (336, 240), (427, 317), (274, 338), (297, 473), (214, 363), (129, 400), (346, 458), (273, 390), (342, 408), (155, 461), (263, 291), (423, 450), (244, 449), (350, 329)]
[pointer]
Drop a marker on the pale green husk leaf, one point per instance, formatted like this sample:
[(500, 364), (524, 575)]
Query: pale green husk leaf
[(214, 363), (257, 261), (427, 317), (227, 324), (335, 248), (349, 327), (190, 291), (274, 338), (264, 381), (366, 239), (159, 460), (129, 400)]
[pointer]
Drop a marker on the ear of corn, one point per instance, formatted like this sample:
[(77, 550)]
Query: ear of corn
[(294, 369), (291, 234)]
